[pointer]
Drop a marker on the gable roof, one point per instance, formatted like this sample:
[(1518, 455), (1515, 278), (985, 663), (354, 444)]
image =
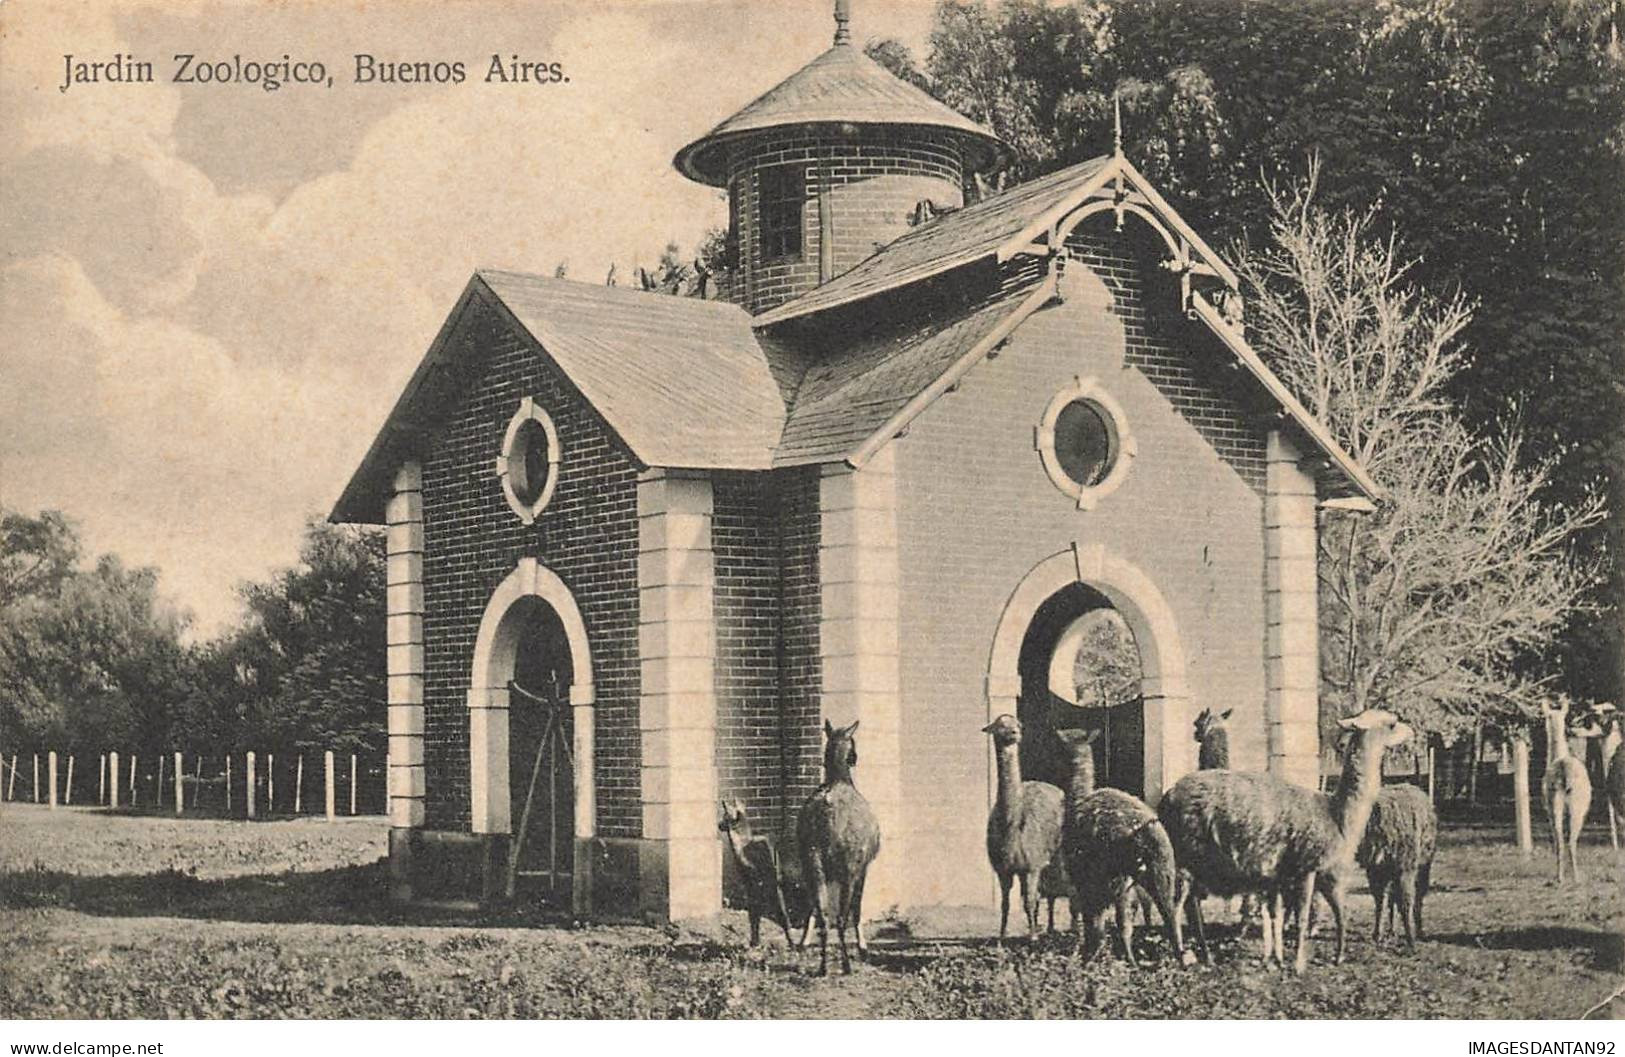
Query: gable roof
[(701, 384), (959, 238), (843, 86), (682, 381)]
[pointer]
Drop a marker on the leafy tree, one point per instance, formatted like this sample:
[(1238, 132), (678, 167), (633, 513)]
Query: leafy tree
[(37, 554)]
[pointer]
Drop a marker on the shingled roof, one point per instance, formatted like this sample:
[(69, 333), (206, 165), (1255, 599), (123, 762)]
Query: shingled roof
[(682, 381), (843, 86), (956, 239), (701, 384)]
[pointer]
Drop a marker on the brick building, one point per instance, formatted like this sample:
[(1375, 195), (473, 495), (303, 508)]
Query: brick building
[(641, 546)]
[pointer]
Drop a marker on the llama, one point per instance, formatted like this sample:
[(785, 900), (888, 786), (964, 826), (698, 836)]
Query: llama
[(1111, 843), (1235, 832), (1213, 740), (758, 863), (1023, 829), (1566, 789), (1397, 856), (1604, 721), (839, 837), (1053, 883)]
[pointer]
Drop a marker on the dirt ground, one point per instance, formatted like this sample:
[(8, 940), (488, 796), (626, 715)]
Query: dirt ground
[(135, 917)]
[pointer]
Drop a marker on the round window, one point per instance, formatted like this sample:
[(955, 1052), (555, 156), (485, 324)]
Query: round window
[(528, 465), (529, 462), (1085, 442)]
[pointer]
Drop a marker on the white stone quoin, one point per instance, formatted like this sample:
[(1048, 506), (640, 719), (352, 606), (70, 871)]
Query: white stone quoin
[(1292, 651), (858, 646), (404, 576), (677, 710)]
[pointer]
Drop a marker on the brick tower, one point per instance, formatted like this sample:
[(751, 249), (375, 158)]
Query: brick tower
[(829, 166)]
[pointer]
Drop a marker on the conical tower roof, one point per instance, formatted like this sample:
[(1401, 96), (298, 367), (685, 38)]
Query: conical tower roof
[(843, 86)]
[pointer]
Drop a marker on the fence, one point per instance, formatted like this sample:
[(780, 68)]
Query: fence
[(235, 785)]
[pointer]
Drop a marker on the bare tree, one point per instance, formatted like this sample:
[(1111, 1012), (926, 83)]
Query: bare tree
[(1443, 603)]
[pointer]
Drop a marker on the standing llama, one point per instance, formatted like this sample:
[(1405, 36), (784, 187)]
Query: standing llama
[(1213, 740), (839, 837), (1566, 789), (1604, 721), (1397, 856), (1113, 842), (1023, 829), (758, 863), (1235, 832)]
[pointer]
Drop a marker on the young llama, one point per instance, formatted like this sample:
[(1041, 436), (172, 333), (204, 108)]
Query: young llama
[(1023, 829), (1235, 832), (839, 837), (758, 863)]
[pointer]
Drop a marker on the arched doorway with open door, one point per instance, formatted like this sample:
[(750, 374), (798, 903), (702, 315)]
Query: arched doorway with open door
[(1080, 669)]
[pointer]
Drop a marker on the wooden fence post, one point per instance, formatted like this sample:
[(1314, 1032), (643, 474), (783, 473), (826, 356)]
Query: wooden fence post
[(11, 784), (352, 783), (180, 786), (69, 790), (329, 773), (228, 783), (50, 769), (36, 778), (197, 782), (248, 772), (1520, 794), (299, 786), (270, 783), (158, 790), (101, 781), (135, 765), (112, 780)]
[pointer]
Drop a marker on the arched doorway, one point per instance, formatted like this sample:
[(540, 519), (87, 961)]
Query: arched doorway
[(541, 791), (531, 739), (1080, 669), (1061, 598)]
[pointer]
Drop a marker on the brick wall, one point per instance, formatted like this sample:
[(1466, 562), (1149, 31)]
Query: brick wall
[(976, 512), (874, 182), (765, 541), (587, 535)]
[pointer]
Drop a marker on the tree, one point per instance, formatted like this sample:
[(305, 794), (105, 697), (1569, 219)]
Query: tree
[(307, 668), (37, 554), (1437, 604)]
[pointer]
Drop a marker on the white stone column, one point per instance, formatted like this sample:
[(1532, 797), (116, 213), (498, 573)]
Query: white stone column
[(681, 863), (858, 645), (1292, 651), (404, 576)]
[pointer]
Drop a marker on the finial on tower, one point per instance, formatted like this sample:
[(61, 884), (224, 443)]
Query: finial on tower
[(843, 20), (1117, 122)]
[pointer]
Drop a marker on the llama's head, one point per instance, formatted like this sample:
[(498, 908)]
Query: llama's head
[(1376, 729), (840, 749), (1207, 723), (1006, 730), (1077, 742), (1595, 722), (733, 819)]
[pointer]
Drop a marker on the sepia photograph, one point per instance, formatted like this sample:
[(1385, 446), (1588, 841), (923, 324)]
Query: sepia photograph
[(838, 510)]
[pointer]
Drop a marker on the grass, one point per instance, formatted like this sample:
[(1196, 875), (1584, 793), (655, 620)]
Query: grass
[(124, 917)]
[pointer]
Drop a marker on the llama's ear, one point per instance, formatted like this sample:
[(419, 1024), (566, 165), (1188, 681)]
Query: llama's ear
[(829, 729), (853, 729), (1090, 735), (1226, 713)]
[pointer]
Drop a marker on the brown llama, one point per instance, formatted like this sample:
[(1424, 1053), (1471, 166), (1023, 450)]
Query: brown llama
[(1565, 790), (758, 863), (1235, 832), (1396, 854), (1112, 842), (1023, 829), (1213, 754), (839, 837)]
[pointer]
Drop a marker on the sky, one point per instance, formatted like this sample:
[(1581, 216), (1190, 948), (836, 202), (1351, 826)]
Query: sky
[(213, 293)]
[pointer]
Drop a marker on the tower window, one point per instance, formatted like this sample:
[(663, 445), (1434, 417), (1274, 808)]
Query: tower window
[(781, 191)]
